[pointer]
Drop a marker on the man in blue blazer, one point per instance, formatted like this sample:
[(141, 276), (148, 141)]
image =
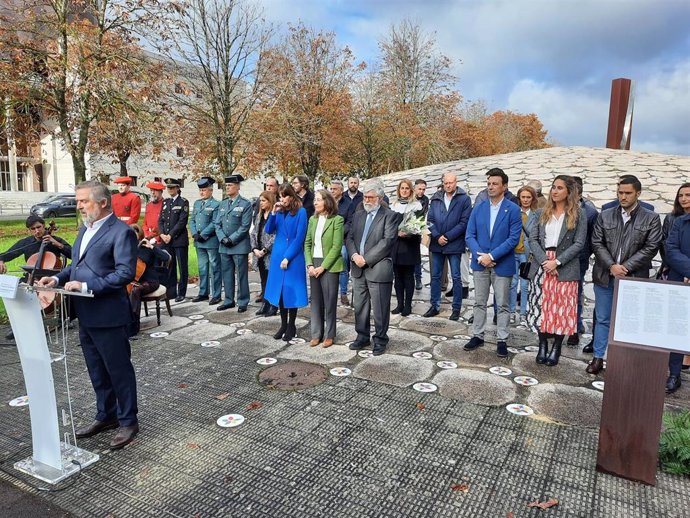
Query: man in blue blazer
[(104, 259), (493, 232)]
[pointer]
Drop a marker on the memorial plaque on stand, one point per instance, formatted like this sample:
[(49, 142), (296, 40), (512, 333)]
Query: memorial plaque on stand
[(649, 319)]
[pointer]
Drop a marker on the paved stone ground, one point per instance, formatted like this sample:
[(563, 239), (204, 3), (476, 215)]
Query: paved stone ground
[(362, 445)]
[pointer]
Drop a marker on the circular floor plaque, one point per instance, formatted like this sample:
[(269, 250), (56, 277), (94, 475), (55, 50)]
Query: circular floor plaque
[(195, 317), (422, 355), (514, 350), (445, 364), (210, 343), (266, 361), (438, 338), (340, 371), (532, 348), (525, 381), (244, 331), (519, 409), (501, 371), (200, 322), (425, 387), (20, 401), (365, 354), (230, 420), (159, 334), (293, 375), (297, 341)]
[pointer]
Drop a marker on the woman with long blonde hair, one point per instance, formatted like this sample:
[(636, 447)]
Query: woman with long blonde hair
[(556, 236)]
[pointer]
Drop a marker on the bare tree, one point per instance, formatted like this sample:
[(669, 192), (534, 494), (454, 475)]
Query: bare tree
[(215, 51)]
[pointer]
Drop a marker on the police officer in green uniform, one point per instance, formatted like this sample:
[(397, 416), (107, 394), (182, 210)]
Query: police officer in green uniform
[(173, 232), (232, 228), (203, 230)]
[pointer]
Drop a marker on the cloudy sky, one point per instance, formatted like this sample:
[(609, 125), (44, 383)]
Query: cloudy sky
[(555, 58)]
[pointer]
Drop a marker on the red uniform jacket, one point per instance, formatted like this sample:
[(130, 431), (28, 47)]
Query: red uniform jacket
[(127, 207), (153, 212)]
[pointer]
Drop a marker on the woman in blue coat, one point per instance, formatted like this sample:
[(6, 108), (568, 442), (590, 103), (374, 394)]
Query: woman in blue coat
[(287, 280), (677, 252)]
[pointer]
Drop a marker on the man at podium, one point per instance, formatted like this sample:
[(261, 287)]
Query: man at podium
[(105, 257)]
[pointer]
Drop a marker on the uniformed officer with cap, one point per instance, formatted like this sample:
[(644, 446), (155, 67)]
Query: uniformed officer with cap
[(173, 228), (203, 230), (126, 205), (232, 228)]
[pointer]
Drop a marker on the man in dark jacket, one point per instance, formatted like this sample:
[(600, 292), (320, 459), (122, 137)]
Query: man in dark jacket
[(449, 212), (616, 203), (345, 209), (624, 241), (300, 184), (173, 228)]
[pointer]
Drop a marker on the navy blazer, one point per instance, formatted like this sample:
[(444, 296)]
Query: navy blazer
[(501, 245), (107, 266)]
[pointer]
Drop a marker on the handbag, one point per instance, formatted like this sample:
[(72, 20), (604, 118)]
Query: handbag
[(524, 269)]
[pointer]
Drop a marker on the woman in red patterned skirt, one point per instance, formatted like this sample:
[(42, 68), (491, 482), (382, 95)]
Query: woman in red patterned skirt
[(556, 237)]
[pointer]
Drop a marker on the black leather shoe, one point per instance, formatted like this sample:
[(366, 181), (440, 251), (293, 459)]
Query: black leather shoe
[(465, 292), (418, 285), (223, 307), (573, 340), (431, 312), (214, 301), (397, 310), (378, 350), (179, 299), (358, 345), (290, 332), (595, 366), (672, 384), (262, 310), (242, 309), (501, 349), (124, 436), (199, 298), (407, 311), (474, 342), (589, 348), (543, 348), (271, 311), (449, 293), (455, 315), (95, 428)]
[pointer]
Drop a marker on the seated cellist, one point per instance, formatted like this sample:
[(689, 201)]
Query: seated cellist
[(30, 245), (147, 279)]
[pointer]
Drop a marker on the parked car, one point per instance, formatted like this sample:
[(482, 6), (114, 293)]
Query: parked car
[(56, 205)]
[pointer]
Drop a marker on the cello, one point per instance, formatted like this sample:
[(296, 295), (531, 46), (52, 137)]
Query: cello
[(44, 263)]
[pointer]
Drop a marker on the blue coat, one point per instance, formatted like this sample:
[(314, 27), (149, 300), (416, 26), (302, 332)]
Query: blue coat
[(501, 245), (107, 266), (289, 244), (451, 223), (677, 249), (201, 222)]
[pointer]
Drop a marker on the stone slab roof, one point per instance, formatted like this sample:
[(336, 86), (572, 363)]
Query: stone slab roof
[(661, 175)]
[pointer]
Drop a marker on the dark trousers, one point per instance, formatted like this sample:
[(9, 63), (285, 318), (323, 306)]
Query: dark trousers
[(180, 260), (138, 291), (108, 359), (263, 274), (324, 303), (368, 296), (675, 363), (404, 284)]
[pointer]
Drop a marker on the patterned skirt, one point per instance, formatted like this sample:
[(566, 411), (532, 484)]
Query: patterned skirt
[(552, 304)]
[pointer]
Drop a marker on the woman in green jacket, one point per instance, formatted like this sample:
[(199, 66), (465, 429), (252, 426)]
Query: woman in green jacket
[(322, 251)]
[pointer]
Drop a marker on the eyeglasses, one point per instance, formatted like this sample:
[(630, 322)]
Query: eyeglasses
[(371, 197)]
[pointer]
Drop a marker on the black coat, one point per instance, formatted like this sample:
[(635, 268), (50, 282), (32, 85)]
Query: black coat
[(173, 221), (308, 203)]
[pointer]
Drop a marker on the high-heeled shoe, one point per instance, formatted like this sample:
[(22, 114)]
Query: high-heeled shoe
[(271, 311), (290, 332), (406, 311), (397, 310)]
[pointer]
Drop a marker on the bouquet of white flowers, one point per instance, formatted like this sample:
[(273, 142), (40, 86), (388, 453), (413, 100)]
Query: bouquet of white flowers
[(413, 225)]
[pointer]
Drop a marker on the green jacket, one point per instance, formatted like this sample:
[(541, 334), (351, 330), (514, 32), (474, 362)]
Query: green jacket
[(331, 242)]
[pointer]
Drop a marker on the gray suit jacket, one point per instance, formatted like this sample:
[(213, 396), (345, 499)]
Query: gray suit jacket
[(378, 246), (570, 243)]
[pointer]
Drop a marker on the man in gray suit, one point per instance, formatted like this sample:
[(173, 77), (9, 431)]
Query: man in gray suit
[(369, 244)]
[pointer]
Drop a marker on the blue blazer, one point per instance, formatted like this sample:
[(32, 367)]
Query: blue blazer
[(107, 266), (501, 245), (677, 249)]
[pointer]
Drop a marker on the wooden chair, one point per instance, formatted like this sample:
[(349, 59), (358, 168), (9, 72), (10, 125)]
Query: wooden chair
[(158, 296)]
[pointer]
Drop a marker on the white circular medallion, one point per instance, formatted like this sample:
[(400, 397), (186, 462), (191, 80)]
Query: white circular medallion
[(20, 401), (365, 354), (599, 385), (525, 381), (425, 387), (195, 317), (210, 343), (340, 371), (422, 355), (514, 350), (461, 337), (500, 371), (445, 364), (266, 361), (532, 348), (438, 338), (159, 334), (519, 409), (230, 420), (296, 341), (201, 322), (244, 331), (238, 324)]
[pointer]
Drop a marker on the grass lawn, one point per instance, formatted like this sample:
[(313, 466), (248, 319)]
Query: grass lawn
[(13, 231)]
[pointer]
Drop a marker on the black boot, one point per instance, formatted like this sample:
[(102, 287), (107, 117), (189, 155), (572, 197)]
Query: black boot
[(543, 348), (555, 353), (271, 310), (263, 309), (283, 324), (291, 330)]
